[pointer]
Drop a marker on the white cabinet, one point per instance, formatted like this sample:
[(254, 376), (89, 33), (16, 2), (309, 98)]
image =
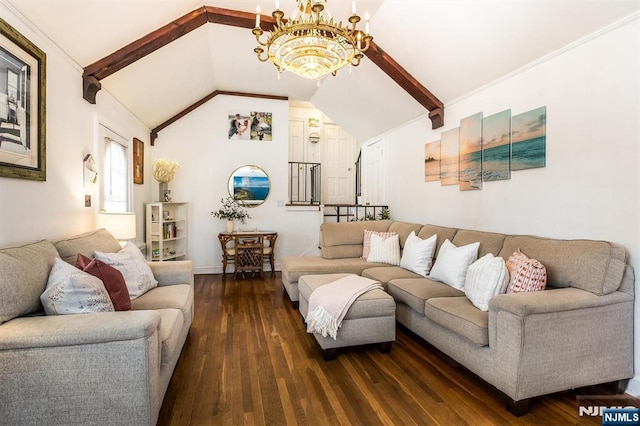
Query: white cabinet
[(166, 231)]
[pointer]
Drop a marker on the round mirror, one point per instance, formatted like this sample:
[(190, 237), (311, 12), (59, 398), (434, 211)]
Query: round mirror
[(249, 185)]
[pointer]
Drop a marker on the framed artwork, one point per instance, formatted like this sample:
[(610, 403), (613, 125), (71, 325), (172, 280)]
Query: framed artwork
[(138, 161), (432, 161), (22, 106), (314, 122), (470, 165), (496, 146), (529, 139), (252, 125), (449, 150)]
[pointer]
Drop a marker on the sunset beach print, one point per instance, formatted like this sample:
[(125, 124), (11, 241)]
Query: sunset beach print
[(496, 146), (449, 157), (529, 139), (470, 172), (432, 161)]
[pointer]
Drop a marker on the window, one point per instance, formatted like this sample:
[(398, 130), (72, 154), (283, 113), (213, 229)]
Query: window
[(115, 175)]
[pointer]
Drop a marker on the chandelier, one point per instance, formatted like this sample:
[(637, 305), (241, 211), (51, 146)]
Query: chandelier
[(311, 43)]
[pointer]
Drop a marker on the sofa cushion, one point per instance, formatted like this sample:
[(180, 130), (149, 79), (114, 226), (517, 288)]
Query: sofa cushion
[(295, 266), (595, 266), (460, 316), (404, 230), (72, 291), (486, 277), (366, 240), (177, 296), (387, 273), (452, 263), (171, 324), (384, 250), (417, 255), (414, 292), (86, 244), (525, 274), (443, 233), (489, 242), (344, 240), (25, 271), (111, 278), (130, 261)]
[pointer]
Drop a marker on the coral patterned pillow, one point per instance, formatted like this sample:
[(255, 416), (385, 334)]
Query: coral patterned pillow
[(526, 274), (366, 243)]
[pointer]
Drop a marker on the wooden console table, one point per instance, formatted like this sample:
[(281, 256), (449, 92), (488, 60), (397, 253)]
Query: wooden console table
[(247, 250)]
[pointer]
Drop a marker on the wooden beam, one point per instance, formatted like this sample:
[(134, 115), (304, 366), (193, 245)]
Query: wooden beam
[(208, 14), (405, 80), (140, 48), (195, 105)]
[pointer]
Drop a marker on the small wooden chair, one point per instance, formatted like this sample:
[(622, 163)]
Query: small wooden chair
[(269, 250)]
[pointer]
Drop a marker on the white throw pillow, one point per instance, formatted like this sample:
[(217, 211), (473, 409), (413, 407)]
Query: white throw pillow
[(72, 291), (385, 250), (134, 268), (452, 263), (418, 254), (486, 277)]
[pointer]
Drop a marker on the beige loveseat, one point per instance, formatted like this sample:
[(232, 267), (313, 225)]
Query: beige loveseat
[(96, 368), (578, 332)]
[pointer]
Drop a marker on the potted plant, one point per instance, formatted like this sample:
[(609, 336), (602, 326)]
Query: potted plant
[(231, 211)]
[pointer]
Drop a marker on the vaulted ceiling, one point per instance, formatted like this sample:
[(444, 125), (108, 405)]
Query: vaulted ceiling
[(450, 47)]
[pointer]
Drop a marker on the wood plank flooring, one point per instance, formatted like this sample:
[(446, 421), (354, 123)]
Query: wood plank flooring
[(248, 360)]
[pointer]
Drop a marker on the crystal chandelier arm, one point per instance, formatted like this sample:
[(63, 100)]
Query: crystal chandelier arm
[(258, 33), (259, 51)]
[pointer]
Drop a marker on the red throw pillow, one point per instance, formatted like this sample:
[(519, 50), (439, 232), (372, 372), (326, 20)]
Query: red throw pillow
[(112, 279)]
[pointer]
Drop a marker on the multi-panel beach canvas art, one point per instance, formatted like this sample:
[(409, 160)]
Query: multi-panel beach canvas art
[(496, 146), (449, 150), (489, 149), (529, 139), (470, 172), (432, 161)]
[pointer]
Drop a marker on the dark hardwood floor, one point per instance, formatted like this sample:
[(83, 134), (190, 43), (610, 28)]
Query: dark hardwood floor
[(249, 360)]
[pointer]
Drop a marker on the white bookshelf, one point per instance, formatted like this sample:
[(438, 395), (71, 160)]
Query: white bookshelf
[(166, 231)]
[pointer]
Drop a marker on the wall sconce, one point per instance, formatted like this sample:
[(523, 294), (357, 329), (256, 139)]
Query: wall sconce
[(89, 170)]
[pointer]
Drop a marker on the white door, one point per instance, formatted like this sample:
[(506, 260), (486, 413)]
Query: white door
[(338, 166), (373, 182)]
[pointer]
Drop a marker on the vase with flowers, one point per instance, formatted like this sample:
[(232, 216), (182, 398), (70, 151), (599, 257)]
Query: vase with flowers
[(164, 171), (231, 211)]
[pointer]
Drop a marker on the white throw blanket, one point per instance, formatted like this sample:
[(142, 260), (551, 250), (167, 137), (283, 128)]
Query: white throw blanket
[(329, 303)]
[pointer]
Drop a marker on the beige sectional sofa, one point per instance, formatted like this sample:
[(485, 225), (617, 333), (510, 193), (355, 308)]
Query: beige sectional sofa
[(95, 368), (578, 332)]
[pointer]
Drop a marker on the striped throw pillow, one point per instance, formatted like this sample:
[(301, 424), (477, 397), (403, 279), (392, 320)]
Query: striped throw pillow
[(525, 274), (366, 243), (385, 250)]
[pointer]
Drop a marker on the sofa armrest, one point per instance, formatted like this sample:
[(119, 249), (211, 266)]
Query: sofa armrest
[(557, 300), (74, 330), (560, 339), (171, 273)]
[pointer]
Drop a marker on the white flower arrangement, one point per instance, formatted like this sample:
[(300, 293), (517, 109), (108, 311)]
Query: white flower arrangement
[(164, 170), (231, 210)]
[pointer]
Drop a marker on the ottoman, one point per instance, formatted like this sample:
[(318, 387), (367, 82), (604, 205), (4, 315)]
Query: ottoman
[(370, 319)]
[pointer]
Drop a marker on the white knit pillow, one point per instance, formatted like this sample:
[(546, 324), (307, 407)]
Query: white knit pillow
[(418, 254), (486, 277), (72, 291), (452, 263), (134, 268), (385, 250)]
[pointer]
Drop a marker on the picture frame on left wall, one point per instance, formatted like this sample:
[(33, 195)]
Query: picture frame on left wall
[(138, 161), (22, 106)]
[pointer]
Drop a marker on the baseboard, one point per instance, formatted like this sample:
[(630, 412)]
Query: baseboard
[(633, 388)]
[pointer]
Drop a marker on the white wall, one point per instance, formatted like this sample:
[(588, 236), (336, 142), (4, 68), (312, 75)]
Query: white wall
[(590, 187), (32, 210), (207, 158)]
